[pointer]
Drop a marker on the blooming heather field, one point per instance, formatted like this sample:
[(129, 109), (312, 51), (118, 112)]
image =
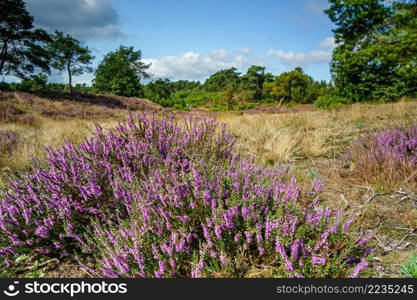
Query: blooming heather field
[(304, 193)]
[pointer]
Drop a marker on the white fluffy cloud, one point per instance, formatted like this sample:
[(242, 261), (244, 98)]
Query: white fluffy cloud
[(196, 66), (291, 58), (301, 58), (328, 43), (84, 19)]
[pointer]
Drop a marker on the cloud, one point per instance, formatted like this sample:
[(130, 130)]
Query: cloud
[(83, 19), (301, 58), (328, 43), (245, 51), (219, 53), (316, 56), (196, 66)]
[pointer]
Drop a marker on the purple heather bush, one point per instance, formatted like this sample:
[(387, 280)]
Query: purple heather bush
[(386, 157), (160, 198)]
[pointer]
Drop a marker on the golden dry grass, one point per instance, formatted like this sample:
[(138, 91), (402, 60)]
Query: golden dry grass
[(321, 133), (32, 140)]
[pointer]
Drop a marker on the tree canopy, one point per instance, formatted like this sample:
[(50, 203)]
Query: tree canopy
[(22, 46), (375, 58), (219, 80), (67, 54), (254, 80), (289, 86), (120, 73)]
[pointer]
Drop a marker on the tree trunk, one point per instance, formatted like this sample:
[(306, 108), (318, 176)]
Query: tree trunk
[(69, 77), (3, 56)]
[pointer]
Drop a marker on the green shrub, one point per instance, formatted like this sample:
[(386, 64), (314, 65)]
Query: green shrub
[(330, 101)]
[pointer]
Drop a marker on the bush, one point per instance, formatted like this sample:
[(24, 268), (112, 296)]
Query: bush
[(5, 86), (219, 221), (49, 208), (386, 157), (330, 101), (172, 200)]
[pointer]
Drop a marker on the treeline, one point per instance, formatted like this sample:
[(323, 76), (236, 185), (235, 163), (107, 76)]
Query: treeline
[(230, 90), (375, 59), (38, 84)]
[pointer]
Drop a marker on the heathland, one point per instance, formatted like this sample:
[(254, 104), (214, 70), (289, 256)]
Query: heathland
[(329, 145), (244, 174)]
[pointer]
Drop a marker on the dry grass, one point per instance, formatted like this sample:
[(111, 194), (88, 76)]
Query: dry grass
[(290, 137)]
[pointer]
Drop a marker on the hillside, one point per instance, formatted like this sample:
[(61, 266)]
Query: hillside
[(24, 107)]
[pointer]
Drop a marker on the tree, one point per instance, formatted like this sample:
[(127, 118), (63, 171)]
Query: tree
[(354, 19), (375, 57), (22, 48), (67, 54), (158, 90), (288, 86), (226, 97), (120, 73), (219, 80), (253, 81), (182, 85)]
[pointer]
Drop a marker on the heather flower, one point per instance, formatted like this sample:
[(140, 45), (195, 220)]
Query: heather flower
[(279, 248), (153, 198), (218, 231), (223, 259), (347, 225), (57, 244), (42, 231), (316, 260), (364, 240), (295, 249), (387, 156), (359, 268)]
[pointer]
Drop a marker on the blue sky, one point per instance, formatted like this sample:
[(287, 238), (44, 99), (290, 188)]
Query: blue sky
[(187, 39)]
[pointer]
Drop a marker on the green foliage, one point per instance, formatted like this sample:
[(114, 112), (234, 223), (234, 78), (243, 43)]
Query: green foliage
[(219, 80), (227, 90), (24, 265), (5, 86), (225, 99), (36, 84), (253, 82), (67, 54), (294, 86), (22, 46), (180, 95), (353, 18), (158, 90), (375, 57), (410, 268), (120, 73), (330, 101)]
